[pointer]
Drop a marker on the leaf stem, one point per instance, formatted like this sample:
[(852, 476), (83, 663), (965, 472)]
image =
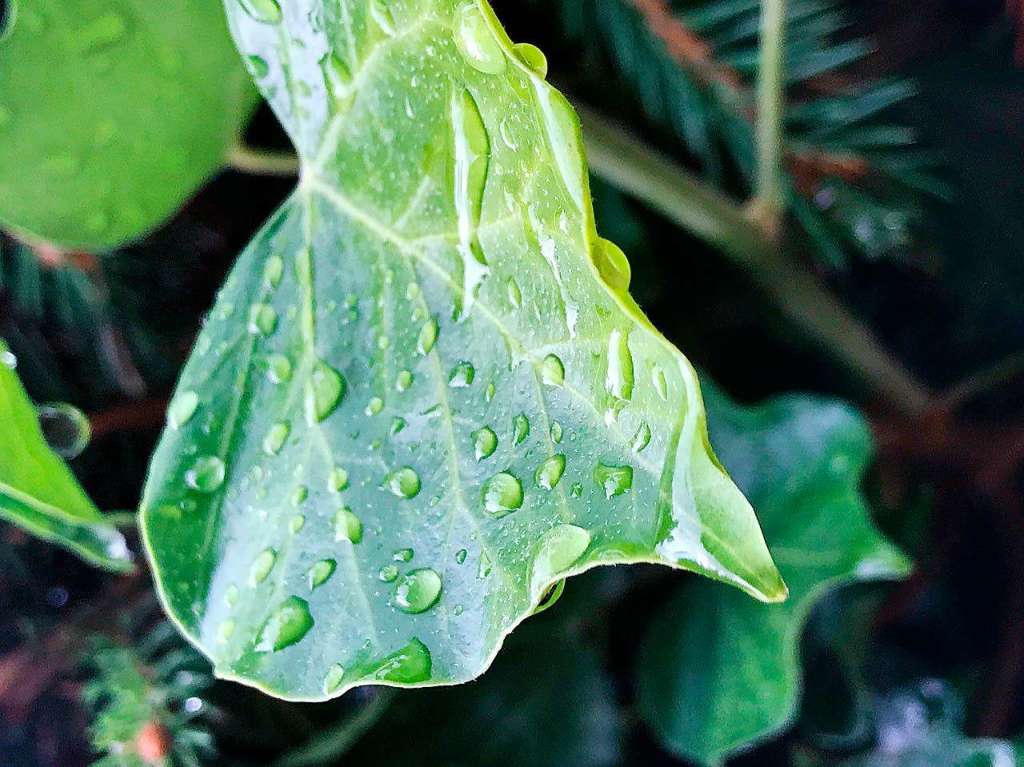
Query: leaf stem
[(676, 193), (331, 743), (260, 162), (767, 204)]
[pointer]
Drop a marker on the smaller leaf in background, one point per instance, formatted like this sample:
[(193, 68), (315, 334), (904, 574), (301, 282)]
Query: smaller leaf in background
[(718, 673), (37, 490), (112, 114)]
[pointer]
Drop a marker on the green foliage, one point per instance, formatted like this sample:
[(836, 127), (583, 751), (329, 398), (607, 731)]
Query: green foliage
[(857, 180), (717, 673), (38, 491), (117, 110), (425, 394)]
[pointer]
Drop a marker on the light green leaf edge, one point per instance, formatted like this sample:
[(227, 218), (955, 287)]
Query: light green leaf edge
[(716, 675), (690, 515), (112, 113), (38, 492)]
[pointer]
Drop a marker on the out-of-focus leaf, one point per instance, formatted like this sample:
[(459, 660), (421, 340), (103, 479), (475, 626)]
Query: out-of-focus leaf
[(112, 112), (425, 394), (38, 492), (717, 673)]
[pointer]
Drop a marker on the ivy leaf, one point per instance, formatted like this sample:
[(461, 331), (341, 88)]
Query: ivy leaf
[(38, 492), (716, 673), (117, 110), (424, 395)]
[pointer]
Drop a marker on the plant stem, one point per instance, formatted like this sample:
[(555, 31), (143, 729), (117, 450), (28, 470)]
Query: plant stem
[(327, 746), (676, 193), (771, 89), (262, 163)]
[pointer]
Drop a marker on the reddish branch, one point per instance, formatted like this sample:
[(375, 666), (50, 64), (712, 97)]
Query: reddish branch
[(133, 416)]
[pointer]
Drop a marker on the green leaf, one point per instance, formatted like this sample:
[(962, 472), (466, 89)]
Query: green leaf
[(116, 111), (717, 673), (424, 395), (38, 492)]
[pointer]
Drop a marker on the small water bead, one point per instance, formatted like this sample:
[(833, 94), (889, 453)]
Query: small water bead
[(398, 425), (533, 57), (409, 665), (296, 524), (549, 473), (326, 391), (299, 495), (262, 319), (612, 265), (381, 14), (489, 392), (460, 556), (334, 678), (403, 555), (337, 480), (558, 549), (274, 268), (182, 409), (231, 594), (556, 432), (427, 337), (404, 381), (462, 375), (515, 295), (321, 572), (261, 566), (576, 490), (279, 368), (264, 11), (286, 626), (457, 610), (502, 494), (374, 406), (552, 371), (476, 41), (660, 384), (225, 631), (383, 343), (347, 526), (520, 428), (276, 437), (485, 442), (405, 483), (484, 566), (642, 438), (206, 475), (614, 480), (619, 378), (417, 591), (388, 573), (65, 428)]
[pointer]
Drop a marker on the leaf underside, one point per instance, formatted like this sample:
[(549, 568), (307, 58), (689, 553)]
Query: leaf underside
[(424, 394), (117, 110), (38, 492), (716, 673)]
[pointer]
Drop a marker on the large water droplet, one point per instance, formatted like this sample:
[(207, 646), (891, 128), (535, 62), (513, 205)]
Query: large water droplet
[(388, 573), (279, 368), (462, 375), (182, 409), (334, 678), (206, 475), (485, 442), (417, 591), (274, 268), (549, 473), (642, 438), (321, 572), (326, 390), (428, 337), (460, 556), (615, 480), (65, 428), (409, 665), (404, 381), (533, 57), (619, 379), (612, 265), (287, 625), (374, 406), (502, 494), (265, 11), (552, 371), (520, 428), (558, 550), (405, 483), (563, 134), (556, 432), (276, 437), (261, 566), (347, 526), (476, 41), (337, 480), (472, 150), (262, 319), (296, 524)]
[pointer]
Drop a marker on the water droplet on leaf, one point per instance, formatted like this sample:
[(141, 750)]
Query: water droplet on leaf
[(206, 475), (476, 41), (417, 591), (286, 626), (347, 526), (321, 572), (182, 409), (520, 428), (485, 442), (261, 566), (552, 371), (276, 437), (326, 390), (614, 480), (405, 483), (549, 473), (502, 494)]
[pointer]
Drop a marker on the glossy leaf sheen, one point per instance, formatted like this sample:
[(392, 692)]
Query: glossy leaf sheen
[(116, 110), (431, 277), (39, 493), (716, 673)]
